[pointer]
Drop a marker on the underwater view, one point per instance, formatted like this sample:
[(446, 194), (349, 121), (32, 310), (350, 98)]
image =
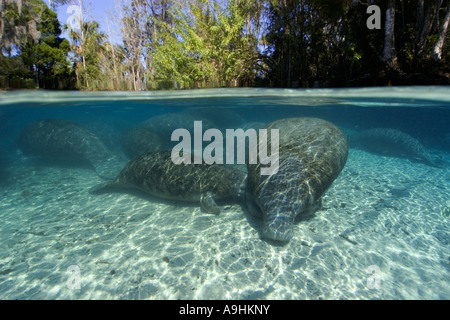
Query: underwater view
[(226, 194)]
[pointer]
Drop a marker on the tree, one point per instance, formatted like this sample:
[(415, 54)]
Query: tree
[(306, 41), (87, 45), (207, 43), (18, 20), (425, 24), (284, 43), (136, 31), (389, 52), (47, 58), (313, 42), (90, 71), (112, 57), (141, 24), (41, 50), (53, 4), (437, 50)]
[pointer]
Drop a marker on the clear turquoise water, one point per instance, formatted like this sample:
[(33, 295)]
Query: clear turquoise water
[(383, 231)]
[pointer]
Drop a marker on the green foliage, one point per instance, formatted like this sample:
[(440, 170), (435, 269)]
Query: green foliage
[(206, 43), (281, 43), (88, 45), (14, 74), (47, 58), (42, 53), (314, 42)]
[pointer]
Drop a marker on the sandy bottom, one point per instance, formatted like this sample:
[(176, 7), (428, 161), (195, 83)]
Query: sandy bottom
[(383, 233)]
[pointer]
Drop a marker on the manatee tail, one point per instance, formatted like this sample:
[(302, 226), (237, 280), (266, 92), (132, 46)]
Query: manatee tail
[(439, 163), (108, 168), (431, 162)]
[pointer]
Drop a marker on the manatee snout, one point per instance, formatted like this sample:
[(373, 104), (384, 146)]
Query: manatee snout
[(278, 226)]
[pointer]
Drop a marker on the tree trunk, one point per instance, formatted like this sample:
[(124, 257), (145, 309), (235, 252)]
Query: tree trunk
[(420, 17), (389, 54), (133, 74), (85, 72), (437, 50), (426, 29)]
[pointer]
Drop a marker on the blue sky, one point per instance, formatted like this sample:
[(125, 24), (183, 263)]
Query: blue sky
[(97, 10)]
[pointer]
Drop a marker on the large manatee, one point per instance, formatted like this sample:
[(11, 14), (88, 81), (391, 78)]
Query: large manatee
[(312, 153), (63, 139), (156, 174), (165, 124), (140, 140)]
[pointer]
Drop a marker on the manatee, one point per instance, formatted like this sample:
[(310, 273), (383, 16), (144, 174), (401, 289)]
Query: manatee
[(108, 131), (392, 142), (156, 174), (165, 124), (226, 118), (312, 153), (140, 140), (61, 139)]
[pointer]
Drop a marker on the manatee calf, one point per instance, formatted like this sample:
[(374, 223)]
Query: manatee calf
[(392, 142), (312, 153), (60, 139), (156, 174)]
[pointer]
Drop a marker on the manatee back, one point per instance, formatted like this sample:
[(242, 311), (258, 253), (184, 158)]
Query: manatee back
[(155, 173), (60, 138), (312, 153), (140, 140)]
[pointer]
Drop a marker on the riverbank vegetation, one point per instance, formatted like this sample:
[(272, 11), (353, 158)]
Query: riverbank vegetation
[(169, 44)]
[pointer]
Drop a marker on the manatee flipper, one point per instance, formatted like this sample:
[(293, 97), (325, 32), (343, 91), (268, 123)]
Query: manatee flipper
[(252, 207), (208, 204), (107, 168), (104, 187)]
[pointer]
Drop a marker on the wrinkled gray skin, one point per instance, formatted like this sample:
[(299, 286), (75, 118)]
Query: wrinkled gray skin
[(156, 174), (312, 154), (54, 138), (392, 142)]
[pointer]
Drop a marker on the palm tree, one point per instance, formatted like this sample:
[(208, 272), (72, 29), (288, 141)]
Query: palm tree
[(86, 44)]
